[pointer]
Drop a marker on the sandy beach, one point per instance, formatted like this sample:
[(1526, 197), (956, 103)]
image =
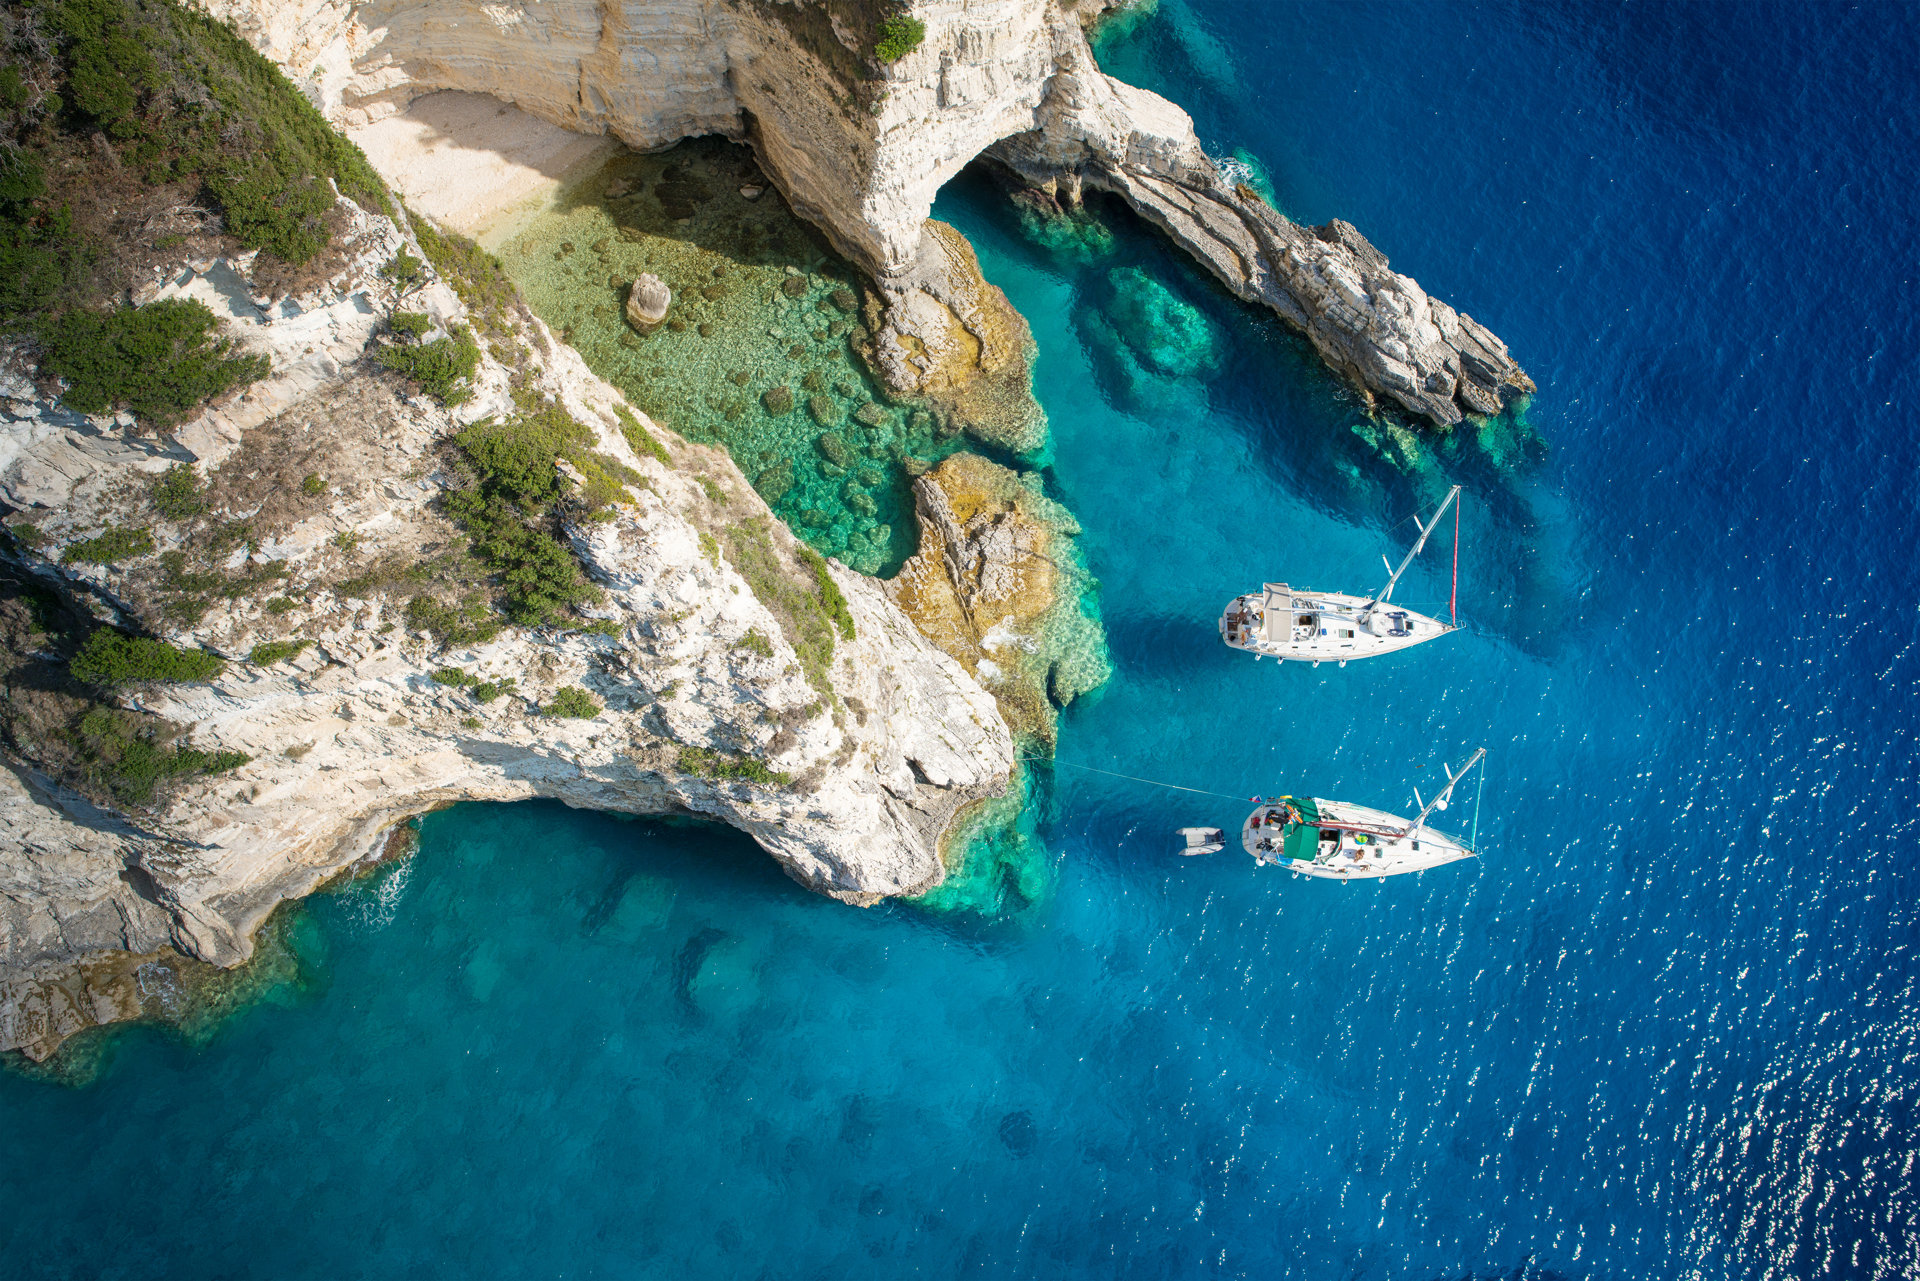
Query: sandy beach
[(474, 164)]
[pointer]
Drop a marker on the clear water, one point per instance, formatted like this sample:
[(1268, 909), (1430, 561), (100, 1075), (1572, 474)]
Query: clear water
[(756, 353), (1667, 1027)]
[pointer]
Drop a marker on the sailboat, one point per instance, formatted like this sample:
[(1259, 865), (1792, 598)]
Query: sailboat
[(1339, 841), (1306, 626)]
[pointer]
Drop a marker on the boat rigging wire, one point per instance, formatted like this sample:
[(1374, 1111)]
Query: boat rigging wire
[(1453, 596), (1477, 798), (1151, 782)]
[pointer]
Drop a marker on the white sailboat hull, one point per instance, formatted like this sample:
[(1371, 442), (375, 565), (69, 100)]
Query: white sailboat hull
[(1354, 843), (1324, 627)]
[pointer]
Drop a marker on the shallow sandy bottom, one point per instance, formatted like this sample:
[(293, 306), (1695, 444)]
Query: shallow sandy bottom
[(474, 164)]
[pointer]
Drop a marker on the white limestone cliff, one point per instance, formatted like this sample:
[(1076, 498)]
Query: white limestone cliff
[(862, 149), (354, 735)]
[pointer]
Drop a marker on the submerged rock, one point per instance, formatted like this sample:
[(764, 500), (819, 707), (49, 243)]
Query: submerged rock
[(647, 302), (1168, 336)]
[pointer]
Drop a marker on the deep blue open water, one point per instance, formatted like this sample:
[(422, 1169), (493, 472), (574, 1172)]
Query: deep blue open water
[(1667, 1026)]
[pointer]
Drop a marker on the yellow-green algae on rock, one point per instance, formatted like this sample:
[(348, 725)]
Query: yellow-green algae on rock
[(758, 349)]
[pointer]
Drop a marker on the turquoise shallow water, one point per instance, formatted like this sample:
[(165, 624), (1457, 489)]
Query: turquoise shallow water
[(1666, 1027)]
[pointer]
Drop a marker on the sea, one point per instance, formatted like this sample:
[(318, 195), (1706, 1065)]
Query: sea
[(1666, 1025)]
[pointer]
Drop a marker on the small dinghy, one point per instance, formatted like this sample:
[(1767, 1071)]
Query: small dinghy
[(1203, 840), (1306, 626), (1343, 842)]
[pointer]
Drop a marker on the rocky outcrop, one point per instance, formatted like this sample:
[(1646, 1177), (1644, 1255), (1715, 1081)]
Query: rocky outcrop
[(945, 334), (647, 302), (848, 768), (1374, 326), (997, 583), (861, 149)]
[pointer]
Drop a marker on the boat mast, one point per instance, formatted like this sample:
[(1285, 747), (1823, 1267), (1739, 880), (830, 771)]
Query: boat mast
[(1386, 593), (1440, 801)]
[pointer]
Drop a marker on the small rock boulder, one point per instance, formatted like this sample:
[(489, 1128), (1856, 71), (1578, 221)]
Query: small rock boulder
[(647, 302)]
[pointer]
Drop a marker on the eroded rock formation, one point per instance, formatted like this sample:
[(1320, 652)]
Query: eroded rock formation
[(862, 148), (997, 583), (848, 768)]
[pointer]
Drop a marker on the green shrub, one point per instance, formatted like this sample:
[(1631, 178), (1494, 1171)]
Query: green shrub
[(176, 495), (110, 658), (127, 757), (539, 580), (508, 513), (278, 605), (754, 642), (313, 485), (403, 269), (453, 676), (468, 623), (638, 437), (572, 701), (267, 653), (185, 97), (831, 598), (116, 544), (898, 36), (443, 368), (414, 324), (28, 535), (487, 691), (715, 495), (184, 101), (708, 763), (158, 362)]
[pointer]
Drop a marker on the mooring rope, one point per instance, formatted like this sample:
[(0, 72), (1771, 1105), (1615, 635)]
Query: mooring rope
[(1150, 782)]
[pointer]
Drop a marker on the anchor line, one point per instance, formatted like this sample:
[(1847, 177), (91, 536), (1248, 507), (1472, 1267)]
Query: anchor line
[(1150, 782)]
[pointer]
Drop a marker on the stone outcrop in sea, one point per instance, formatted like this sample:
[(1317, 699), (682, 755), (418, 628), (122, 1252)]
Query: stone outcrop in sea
[(861, 148), (998, 584)]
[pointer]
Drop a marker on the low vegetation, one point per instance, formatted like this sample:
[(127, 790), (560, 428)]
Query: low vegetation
[(267, 653), (69, 729), (639, 438), (159, 362), (719, 766), (899, 36), (108, 658), (177, 495), (510, 508), (115, 544), (442, 368), (131, 131), (572, 701), (130, 757), (811, 614), (476, 275)]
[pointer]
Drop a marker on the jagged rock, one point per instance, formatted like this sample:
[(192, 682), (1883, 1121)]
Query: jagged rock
[(864, 160), (1374, 326), (952, 338), (647, 302), (996, 583)]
